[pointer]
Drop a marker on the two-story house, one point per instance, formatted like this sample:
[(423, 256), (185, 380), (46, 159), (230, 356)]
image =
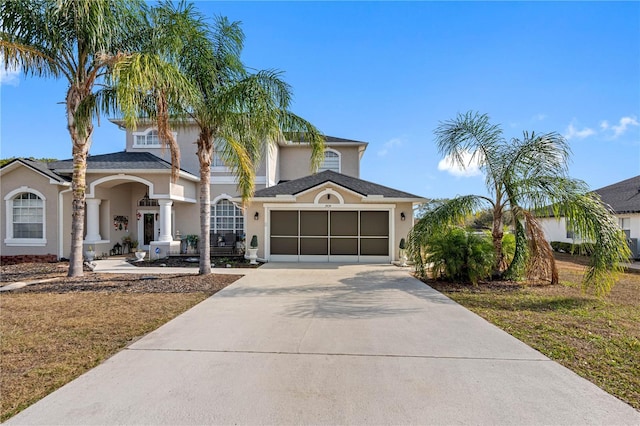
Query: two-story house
[(332, 215)]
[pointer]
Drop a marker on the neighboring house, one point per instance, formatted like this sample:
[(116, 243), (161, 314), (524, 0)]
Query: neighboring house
[(329, 216), (623, 198)]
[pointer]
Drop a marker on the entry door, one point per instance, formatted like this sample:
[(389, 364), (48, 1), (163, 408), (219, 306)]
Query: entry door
[(147, 228)]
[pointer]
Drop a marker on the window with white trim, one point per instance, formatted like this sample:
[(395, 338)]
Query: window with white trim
[(625, 225), (26, 215), (148, 139), (217, 159), (331, 161), (226, 218)]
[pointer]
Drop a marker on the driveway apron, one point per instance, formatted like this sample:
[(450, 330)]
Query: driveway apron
[(328, 344)]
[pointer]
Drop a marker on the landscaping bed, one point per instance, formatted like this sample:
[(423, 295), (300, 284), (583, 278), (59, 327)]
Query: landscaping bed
[(598, 338), (192, 262)]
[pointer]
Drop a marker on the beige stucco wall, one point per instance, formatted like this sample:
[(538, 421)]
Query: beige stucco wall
[(186, 138), (295, 161), (402, 227), (24, 179)]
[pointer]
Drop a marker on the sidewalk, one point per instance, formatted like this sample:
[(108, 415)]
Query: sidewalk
[(121, 266)]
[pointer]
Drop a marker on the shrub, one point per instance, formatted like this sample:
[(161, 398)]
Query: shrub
[(458, 255), (584, 249)]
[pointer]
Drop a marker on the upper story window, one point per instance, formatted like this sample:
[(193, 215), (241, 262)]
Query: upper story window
[(625, 225), (148, 139), (217, 159), (25, 218), (331, 161)]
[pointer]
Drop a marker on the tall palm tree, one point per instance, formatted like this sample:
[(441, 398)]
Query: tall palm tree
[(82, 41), (237, 112), (526, 177)]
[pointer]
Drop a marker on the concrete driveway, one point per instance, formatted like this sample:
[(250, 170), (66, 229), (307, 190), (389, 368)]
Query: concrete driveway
[(329, 344)]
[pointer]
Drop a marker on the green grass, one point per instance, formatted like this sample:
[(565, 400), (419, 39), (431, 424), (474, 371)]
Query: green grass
[(598, 338)]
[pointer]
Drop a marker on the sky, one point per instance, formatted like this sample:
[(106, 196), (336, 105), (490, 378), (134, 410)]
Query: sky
[(388, 73)]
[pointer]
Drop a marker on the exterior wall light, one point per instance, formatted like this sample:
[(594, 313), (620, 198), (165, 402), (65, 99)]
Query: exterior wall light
[(256, 216), (402, 216)]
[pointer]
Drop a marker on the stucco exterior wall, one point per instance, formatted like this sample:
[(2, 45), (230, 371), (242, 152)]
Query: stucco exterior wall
[(295, 161), (186, 138), (402, 227), (24, 179)]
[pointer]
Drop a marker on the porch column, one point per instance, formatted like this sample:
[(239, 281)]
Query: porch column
[(165, 220), (93, 220)]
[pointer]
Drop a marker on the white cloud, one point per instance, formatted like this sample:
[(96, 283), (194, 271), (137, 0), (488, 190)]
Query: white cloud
[(604, 124), (572, 132), (623, 125), (10, 75), (472, 168), (539, 117), (390, 144)]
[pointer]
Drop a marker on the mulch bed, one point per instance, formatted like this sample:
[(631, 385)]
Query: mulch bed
[(120, 283)]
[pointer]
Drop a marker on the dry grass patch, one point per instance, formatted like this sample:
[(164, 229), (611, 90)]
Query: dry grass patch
[(597, 338), (54, 332)]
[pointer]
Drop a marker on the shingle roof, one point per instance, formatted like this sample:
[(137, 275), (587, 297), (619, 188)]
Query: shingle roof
[(40, 167), (360, 186), (117, 161), (624, 196), (333, 139)]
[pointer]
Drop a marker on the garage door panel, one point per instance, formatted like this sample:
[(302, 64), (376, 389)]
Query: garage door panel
[(284, 223), (344, 223), (284, 245), (374, 246), (344, 246), (314, 246), (313, 223), (374, 223)]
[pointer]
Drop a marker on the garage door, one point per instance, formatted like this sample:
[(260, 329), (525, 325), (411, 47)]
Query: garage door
[(329, 236)]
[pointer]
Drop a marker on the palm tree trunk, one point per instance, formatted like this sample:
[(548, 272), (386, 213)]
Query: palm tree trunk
[(205, 147), (80, 140), (497, 234)]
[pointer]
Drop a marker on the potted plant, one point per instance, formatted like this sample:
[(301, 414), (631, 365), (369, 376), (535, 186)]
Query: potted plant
[(253, 250), (90, 254), (403, 252), (192, 243), (139, 253)]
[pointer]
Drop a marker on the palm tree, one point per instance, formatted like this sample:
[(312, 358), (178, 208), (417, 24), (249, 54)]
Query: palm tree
[(526, 177), (236, 112), (83, 41)]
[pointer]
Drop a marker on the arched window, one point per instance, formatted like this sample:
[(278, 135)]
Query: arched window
[(226, 218), (25, 218), (331, 161), (146, 139)]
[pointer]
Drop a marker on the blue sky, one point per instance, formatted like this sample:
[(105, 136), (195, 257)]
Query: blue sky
[(388, 72)]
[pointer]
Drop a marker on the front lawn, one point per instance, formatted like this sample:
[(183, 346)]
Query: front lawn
[(55, 331), (597, 338)]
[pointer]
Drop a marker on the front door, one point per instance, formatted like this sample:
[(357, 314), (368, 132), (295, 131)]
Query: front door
[(147, 228)]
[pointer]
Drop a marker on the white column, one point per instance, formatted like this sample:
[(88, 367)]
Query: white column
[(93, 220), (165, 220)]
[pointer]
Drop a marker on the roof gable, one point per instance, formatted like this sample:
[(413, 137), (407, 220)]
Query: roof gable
[(39, 167)]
